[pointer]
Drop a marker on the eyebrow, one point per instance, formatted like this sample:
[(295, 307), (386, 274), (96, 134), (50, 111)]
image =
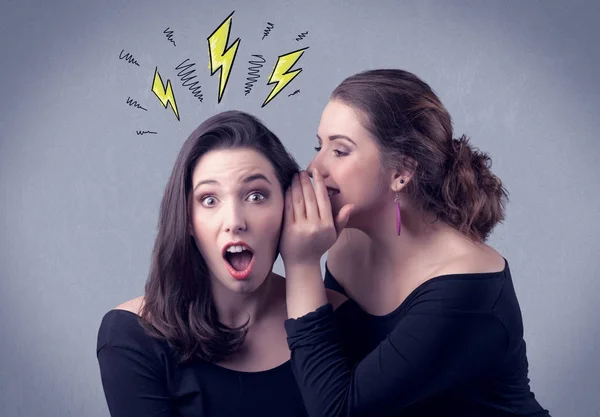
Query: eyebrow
[(246, 180), (334, 137)]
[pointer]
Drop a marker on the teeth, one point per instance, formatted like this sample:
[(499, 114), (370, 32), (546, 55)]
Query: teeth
[(236, 248), (332, 192)]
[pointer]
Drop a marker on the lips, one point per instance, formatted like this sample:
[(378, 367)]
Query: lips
[(331, 192), (241, 243), (239, 259)]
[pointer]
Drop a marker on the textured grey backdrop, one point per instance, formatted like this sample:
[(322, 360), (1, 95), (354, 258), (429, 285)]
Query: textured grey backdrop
[(79, 189)]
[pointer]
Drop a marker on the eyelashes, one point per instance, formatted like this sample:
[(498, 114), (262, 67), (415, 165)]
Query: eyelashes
[(204, 198), (264, 195), (261, 194), (337, 153)]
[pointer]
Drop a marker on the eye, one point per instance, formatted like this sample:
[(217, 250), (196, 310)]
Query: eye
[(335, 151), (208, 201), (256, 197)]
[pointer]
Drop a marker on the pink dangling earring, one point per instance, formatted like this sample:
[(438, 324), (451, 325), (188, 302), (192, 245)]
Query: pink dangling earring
[(398, 217)]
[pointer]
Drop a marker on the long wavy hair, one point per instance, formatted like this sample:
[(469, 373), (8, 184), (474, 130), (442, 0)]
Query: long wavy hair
[(178, 304)]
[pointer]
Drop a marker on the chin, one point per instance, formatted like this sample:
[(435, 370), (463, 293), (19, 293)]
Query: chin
[(247, 285)]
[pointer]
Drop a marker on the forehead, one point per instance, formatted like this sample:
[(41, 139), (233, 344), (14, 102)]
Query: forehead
[(232, 165), (342, 119)]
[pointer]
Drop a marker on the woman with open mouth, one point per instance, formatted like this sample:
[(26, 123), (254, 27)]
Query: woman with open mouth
[(207, 338)]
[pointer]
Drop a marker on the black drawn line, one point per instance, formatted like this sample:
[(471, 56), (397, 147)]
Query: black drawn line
[(134, 103), (169, 34), (143, 132), (268, 29), (187, 77), (301, 36), (294, 93), (128, 57), (253, 72)]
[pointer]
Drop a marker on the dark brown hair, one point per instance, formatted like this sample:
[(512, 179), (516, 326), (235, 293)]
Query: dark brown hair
[(178, 304), (413, 130)]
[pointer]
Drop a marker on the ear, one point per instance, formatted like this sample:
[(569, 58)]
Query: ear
[(402, 176)]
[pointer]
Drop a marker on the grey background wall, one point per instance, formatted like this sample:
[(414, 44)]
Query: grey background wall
[(80, 189)]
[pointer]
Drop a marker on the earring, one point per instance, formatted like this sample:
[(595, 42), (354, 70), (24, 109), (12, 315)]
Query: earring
[(398, 217)]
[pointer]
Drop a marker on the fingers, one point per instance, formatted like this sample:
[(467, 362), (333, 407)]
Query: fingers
[(342, 218), (298, 199), (310, 200), (288, 213), (323, 202)]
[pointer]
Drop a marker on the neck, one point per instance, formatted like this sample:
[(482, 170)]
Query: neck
[(419, 237), (235, 309)]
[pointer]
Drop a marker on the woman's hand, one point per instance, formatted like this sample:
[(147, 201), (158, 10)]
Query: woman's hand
[(309, 229)]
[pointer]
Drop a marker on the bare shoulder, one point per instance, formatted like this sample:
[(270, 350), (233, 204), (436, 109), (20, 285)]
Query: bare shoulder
[(335, 298), (350, 248), (478, 260), (133, 305)]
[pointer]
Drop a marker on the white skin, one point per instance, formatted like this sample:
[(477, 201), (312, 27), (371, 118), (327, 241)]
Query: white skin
[(377, 268), (236, 196)]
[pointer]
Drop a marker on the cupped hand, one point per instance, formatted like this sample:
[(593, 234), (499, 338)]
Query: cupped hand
[(309, 228)]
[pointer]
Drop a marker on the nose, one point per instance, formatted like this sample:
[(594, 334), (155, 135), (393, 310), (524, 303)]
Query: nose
[(318, 163), (234, 221)]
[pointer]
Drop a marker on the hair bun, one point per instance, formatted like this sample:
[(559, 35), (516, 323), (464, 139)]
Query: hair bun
[(463, 154), (470, 182)]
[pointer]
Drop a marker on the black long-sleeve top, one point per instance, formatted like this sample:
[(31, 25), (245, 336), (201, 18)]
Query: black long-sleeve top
[(454, 347), (141, 377)]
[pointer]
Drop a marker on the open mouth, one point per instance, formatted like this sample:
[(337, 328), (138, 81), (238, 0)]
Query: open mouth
[(332, 192), (239, 259)]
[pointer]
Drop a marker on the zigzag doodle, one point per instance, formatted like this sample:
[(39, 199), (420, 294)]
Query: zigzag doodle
[(222, 52), (253, 72), (266, 32), (187, 77), (301, 36)]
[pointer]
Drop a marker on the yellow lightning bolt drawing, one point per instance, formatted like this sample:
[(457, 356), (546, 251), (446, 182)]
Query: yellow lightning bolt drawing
[(219, 57), (165, 95), (282, 74)]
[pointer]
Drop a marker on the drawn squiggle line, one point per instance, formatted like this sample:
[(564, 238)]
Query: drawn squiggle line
[(253, 72), (134, 103), (301, 36), (169, 34), (187, 77), (294, 93), (128, 57), (268, 29), (143, 132)]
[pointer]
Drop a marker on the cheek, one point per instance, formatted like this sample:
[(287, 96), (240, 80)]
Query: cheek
[(360, 183), (357, 174), (268, 224), (203, 234)]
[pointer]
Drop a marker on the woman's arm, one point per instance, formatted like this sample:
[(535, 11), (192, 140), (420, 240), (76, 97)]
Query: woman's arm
[(309, 231), (426, 354)]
